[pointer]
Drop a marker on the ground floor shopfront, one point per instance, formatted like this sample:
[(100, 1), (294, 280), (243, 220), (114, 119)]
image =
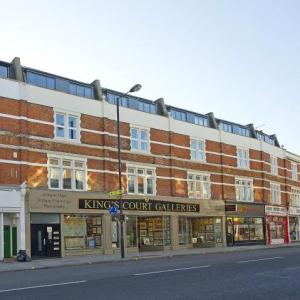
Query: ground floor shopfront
[(245, 224), (277, 225), (12, 222), (75, 223), (294, 223)]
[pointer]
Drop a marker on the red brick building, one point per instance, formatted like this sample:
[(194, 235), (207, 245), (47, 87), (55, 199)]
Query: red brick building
[(190, 179)]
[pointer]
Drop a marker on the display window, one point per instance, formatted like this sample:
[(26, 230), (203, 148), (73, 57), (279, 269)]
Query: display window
[(82, 232), (154, 232), (276, 227), (131, 231), (244, 229), (294, 228)]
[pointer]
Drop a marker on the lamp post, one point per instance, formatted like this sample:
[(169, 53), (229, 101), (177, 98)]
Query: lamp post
[(135, 88)]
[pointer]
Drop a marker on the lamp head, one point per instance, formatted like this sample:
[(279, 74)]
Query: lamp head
[(135, 88)]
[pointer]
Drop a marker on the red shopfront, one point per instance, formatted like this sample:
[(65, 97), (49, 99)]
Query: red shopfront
[(277, 225)]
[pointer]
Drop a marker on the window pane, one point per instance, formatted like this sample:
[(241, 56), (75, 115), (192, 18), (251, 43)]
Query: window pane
[(88, 92), (134, 145), (80, 91), (134, 133), (72, 134), (78, 164), (67, 179), (131, 184), (79, 178), (144, 146), (50, 83), (144, 135), (53, 161), (193, 144), (67, 163), (193, 155), (141, 185), (72, 121), (60, 132), (149, 186), (60, 119), (131, 170), (3, 71), (73, 89), (54, 178)]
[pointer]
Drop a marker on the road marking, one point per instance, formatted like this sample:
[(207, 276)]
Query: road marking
[(259, 259), (172, 270), (42, 286)]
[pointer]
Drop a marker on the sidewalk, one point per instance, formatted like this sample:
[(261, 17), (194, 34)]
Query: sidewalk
[(96, 259)]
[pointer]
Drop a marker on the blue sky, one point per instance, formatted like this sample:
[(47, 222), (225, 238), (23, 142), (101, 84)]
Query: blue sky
[(239, 59)]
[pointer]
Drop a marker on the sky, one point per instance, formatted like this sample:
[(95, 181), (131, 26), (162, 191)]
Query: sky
[(236, 58)]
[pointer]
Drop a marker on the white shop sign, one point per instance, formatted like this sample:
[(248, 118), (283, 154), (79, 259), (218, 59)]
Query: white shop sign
[(295, 211), (275, 210)]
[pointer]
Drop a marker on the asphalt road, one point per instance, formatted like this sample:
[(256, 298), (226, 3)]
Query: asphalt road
[(262, 274)]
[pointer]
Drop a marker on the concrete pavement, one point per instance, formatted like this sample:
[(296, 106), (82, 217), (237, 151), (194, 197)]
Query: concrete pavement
[(96, 259)]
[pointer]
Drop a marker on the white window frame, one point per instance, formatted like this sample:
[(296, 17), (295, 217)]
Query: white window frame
[(238, 191), (273, 165), (198, 178), (295, 197), (243, 162), (200, 154), (73, 169), (139, 140), (294, 171), (145, 176), (66, 126), (275, 193)]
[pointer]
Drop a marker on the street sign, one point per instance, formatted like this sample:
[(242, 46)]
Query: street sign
[(115, 193), (113, 210)]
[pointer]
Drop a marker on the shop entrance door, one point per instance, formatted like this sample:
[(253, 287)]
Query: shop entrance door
[(7, 241), (45, 240)]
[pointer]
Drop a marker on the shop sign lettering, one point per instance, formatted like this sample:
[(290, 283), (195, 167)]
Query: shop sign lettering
[(139, 205), (276, 210), (244, 209), (294, 211)]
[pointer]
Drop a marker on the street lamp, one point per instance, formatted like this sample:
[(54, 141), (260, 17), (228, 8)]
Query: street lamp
[(135, 88)]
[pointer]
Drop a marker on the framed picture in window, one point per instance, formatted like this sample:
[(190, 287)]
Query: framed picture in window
[(209, 227), (143, 225), (209, 237), (143, 232)]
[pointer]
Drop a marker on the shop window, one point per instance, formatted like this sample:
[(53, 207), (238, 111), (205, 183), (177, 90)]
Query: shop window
[(202, 232), (294, 228), (139, 139), (82, 232), (199, 186), (247, 229), (244, 190), (275, 193), (131, 231), (183, 231), (197, 149), (140, 181), (242, 158), (295, 197), (154, 232), (274, 165), (67, 126), (66, 174), (276, 228)]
